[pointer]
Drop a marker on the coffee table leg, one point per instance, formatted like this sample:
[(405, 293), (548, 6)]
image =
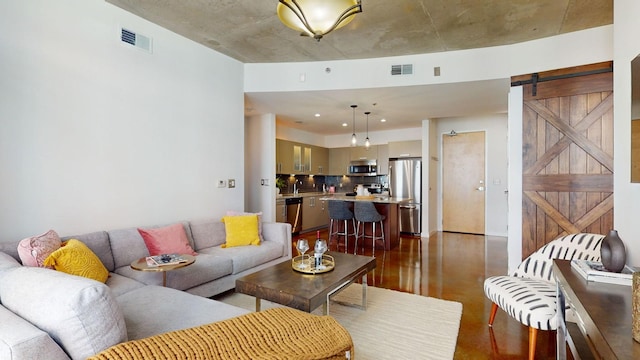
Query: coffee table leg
[(364, 292), (257, 304), (164, 278)]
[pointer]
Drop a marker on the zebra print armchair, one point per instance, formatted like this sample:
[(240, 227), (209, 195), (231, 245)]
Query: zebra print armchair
[(529, 294)]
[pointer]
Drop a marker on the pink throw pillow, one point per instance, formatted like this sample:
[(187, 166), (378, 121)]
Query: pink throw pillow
[(240, 213), (33, 250), (167, 240)]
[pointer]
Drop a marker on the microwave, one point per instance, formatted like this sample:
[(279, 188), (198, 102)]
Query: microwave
[(363, 167)]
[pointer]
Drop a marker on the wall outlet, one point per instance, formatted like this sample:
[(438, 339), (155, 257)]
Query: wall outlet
[(232, 183), (221, 183)]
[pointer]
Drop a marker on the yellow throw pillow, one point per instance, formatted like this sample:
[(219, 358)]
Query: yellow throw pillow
[(75, 258), (241, 230)]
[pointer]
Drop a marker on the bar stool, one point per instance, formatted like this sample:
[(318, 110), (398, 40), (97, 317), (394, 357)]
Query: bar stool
[(339, 211), (365, 212)]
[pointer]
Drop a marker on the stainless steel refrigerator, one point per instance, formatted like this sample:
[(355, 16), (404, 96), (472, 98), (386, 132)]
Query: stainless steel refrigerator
[(405, 181)]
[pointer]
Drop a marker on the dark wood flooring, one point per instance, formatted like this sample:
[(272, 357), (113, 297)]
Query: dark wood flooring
[(453, 266)]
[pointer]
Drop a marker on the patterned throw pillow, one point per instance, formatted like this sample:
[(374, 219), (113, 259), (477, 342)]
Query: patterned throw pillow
[(33, 250), (75, 258)]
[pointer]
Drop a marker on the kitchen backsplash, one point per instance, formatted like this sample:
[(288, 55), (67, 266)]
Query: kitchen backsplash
[(313, 183)]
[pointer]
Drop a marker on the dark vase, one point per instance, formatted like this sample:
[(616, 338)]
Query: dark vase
[(612, 252)]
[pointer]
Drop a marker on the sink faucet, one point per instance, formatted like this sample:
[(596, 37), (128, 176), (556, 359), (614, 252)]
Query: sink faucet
[(295, 187)]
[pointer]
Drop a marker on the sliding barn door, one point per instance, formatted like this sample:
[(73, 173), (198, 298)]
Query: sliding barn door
[(567, 155)]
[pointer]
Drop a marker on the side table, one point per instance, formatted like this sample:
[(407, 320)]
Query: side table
[(141, 265)]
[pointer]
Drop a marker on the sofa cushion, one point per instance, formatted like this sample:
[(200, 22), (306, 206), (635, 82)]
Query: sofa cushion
[(206, 268), (168, 309), (121, 284), (207, 233), (75, 258), (8, 262), (170, 239), (22, 340), (80, 314), (241, 230), (247, 257), (34, 250), (98, 242)]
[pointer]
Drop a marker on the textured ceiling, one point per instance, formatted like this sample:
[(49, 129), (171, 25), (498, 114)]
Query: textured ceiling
[(250, 31)]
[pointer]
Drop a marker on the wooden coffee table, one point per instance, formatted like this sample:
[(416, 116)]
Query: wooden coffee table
[(283, 285)]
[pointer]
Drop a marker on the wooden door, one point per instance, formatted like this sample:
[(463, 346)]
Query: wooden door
[(463, 182), (567, 157)]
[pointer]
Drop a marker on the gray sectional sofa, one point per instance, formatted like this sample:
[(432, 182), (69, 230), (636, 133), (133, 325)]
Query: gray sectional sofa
[(46, 314)]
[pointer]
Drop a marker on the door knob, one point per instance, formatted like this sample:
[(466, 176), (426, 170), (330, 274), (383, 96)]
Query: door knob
[(481, 188)]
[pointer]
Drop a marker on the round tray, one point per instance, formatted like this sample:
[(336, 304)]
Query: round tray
[(328, 263)]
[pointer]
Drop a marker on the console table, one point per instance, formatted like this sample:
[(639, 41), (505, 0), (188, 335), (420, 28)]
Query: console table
[(603, 317)]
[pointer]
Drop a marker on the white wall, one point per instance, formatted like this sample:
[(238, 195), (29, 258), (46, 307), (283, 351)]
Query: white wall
[(496, 168), (96, 134), (260, 147), (500, 62), (626, 195)]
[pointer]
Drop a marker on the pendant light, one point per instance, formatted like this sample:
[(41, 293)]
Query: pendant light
[(316, 18), (366, 141), (354, 140)]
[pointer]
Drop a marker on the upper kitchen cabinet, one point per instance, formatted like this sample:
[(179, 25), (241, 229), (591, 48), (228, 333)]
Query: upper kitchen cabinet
[(339, 160), (383, 159), (320, 160), (297, 158), (284, 157), (363, 153), (399, 149)]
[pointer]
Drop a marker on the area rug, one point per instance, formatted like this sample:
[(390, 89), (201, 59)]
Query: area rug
[(396, 325)]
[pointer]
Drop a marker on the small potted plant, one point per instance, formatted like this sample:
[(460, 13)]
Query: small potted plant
[(280, 184)]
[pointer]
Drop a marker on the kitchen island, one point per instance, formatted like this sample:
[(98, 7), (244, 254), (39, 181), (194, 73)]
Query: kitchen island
[(387, 206)]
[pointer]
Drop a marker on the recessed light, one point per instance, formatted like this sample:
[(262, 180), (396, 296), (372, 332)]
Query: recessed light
[(345, 124), (317, 115), (383, 120)]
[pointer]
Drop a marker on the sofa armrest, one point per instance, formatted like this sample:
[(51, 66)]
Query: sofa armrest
[(278, 232), (19, 339)]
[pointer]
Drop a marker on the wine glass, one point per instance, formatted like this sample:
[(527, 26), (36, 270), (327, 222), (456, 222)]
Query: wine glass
[(302, 245), (319, 249)]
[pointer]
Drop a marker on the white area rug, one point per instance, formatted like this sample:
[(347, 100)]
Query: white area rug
[(395, 325)]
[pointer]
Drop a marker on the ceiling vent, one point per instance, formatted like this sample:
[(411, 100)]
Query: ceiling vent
[(137, 40), (406, 69)]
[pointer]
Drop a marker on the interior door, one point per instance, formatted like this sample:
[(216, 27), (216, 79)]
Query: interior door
[(567, 178), (463, 182)]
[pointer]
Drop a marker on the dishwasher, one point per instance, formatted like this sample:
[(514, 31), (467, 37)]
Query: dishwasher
[(294, 213)]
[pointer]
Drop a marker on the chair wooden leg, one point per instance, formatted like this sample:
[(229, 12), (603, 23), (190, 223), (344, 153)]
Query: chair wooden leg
[(492, 316), (533, 336)]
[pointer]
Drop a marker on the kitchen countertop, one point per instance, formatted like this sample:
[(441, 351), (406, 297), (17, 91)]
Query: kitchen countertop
[(377, 198)]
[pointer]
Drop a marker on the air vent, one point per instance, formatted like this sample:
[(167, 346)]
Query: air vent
[(137, 40), (406, 69)]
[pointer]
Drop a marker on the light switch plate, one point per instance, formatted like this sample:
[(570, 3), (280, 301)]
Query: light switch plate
[(221, 183), (232, 183)]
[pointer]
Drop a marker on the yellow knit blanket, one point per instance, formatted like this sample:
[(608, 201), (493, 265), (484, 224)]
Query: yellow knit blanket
[(280, 333)]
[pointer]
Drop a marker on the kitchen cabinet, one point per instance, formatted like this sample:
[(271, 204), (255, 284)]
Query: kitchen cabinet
[(363, 153), (383, 159), (284, 157), (281, 211), (398, 149), (315, 213), (320, 160), (339, 160)]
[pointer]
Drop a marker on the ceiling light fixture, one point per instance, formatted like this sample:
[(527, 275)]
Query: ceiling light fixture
[(354, 140), (319, 17), (366, 141)]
